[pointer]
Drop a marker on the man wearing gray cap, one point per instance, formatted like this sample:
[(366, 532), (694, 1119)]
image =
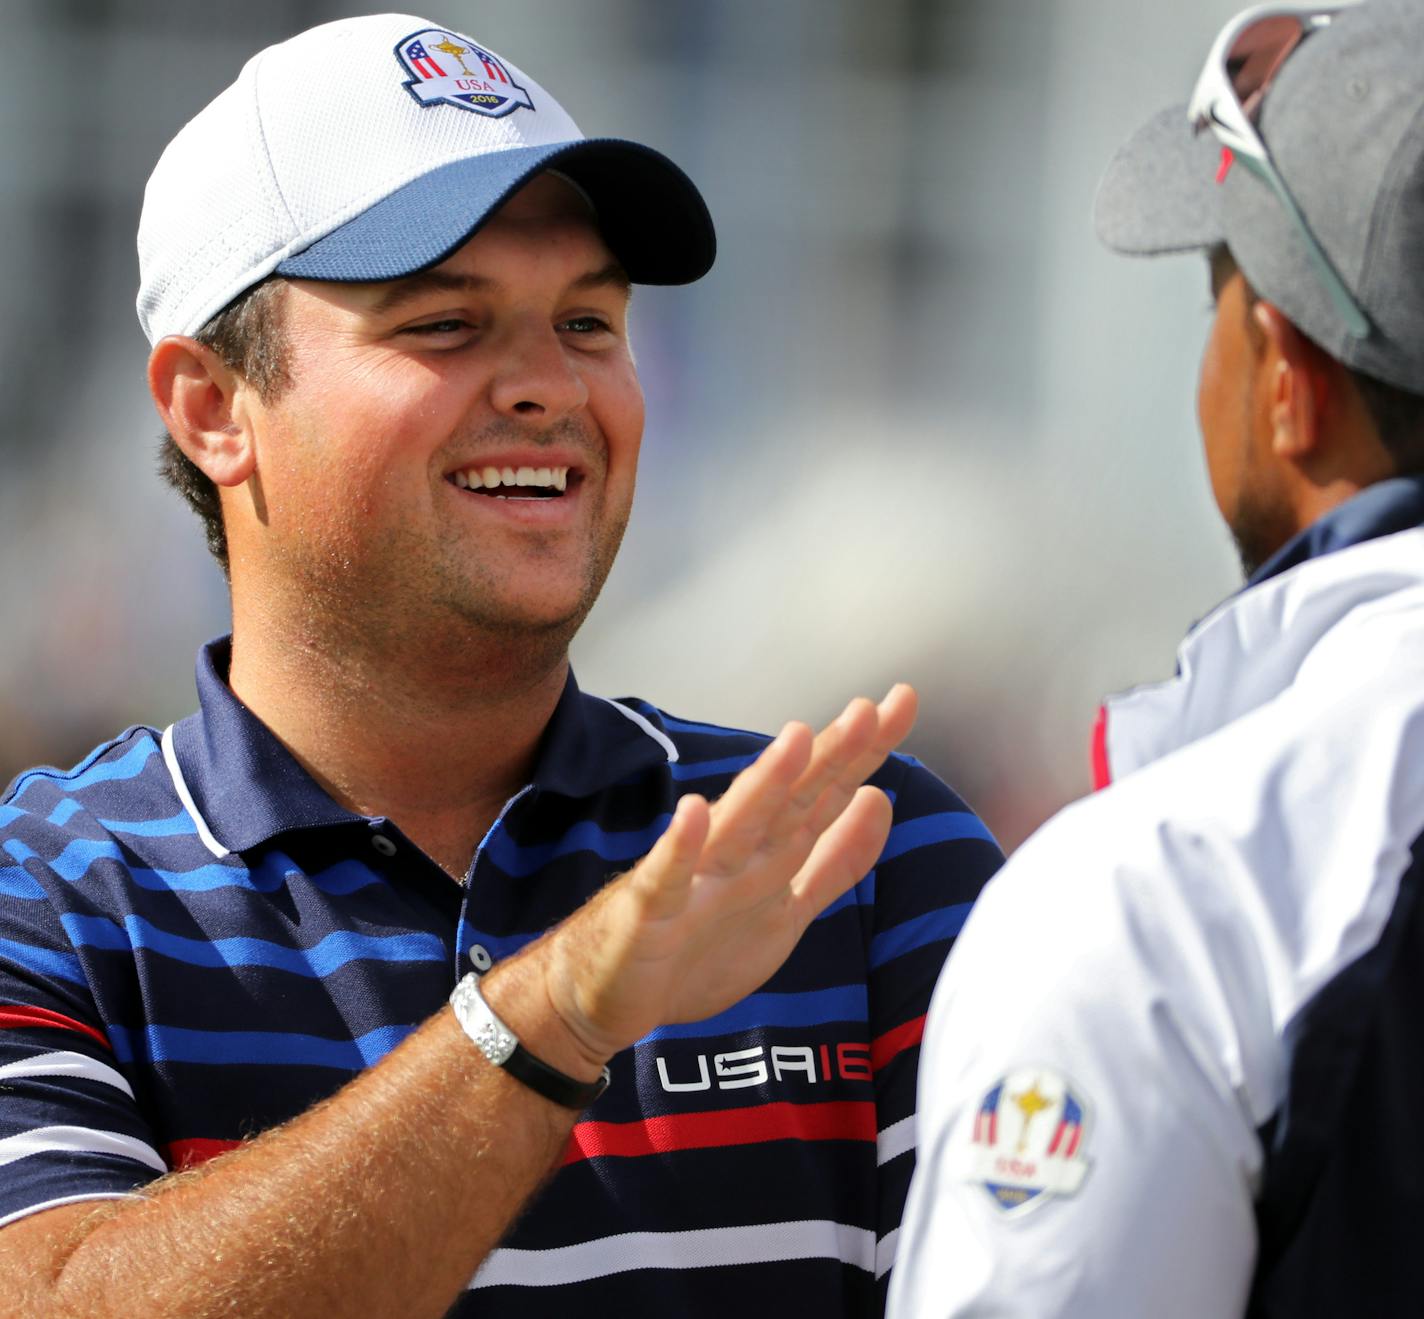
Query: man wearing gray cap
[(386, 280), (1174, 1066)]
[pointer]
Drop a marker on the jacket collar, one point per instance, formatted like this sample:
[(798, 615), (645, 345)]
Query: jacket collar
[(1249, 649), (1380, 510), (243, 787)]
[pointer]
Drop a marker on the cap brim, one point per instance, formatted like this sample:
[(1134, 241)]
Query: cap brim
[(1159, 194), (650, 213)]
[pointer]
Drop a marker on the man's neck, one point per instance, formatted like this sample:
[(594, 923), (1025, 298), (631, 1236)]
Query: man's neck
[(435, 743)]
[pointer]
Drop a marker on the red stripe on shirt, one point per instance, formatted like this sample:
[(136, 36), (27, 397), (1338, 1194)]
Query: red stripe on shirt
[(23, 1016), (885, 1047), (180, 1154), (1102, 771), (838, 1120)]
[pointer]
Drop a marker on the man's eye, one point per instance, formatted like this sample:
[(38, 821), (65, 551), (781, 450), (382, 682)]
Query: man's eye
[(586, 324), (449, 326)]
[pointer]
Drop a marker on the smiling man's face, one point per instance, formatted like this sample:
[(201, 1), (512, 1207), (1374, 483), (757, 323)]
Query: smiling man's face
[(457, 448)]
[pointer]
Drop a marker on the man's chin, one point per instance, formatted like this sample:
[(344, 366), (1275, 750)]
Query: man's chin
[(535, 621)]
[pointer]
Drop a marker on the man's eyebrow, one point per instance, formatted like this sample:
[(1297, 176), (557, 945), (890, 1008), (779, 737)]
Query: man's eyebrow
[(428, 281), (443, 281), (610, 276)]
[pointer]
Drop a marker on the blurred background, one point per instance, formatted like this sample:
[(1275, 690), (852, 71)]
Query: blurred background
[(915, 424)]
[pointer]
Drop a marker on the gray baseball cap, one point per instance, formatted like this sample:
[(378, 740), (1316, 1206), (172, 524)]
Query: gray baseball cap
[(1344, 123)]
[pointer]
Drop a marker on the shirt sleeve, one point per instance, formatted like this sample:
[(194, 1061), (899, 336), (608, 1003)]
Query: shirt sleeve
[(1086, 1148), (70, 1129), (937, 859)]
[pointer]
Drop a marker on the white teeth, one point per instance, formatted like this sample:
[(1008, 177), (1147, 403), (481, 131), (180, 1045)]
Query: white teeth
[(493, 478)]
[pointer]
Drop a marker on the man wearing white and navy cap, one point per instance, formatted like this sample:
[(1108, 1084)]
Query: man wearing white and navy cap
[(387, 283), (1174, 1066)]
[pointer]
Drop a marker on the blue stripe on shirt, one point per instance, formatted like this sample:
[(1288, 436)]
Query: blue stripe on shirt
[(253, 1048), (933, 927), (43, 961), (320, 960), (75, 861), (172, 827), (947, 827), (128, 766), (66, 808), (814, 1008), (617, 848), (705, 769), (16, 882)]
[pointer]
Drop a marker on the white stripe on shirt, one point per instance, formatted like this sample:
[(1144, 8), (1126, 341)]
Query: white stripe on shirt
[(77, 1140), (64, 1063), (897, 1139), (756, 1244)]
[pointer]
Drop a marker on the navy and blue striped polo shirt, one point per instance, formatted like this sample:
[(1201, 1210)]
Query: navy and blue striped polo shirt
[(197, 943)]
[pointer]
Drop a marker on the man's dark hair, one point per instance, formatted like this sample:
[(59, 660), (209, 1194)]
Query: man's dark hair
[(1398, 414), (249, 336)]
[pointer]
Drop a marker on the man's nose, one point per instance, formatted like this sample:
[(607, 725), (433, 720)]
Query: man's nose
[(536, 376)]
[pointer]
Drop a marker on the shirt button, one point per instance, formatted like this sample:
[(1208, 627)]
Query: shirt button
[(479, 955), (383, 845)]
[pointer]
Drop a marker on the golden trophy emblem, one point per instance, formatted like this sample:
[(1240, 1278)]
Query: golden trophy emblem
[(450, 47)]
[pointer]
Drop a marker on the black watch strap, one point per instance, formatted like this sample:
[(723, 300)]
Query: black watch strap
[(502, 1047)]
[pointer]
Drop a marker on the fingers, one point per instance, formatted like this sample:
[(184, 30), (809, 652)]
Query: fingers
[(838, 746), (843, 854), (894, 717), (763, 811), (663, 877), (758, 795)]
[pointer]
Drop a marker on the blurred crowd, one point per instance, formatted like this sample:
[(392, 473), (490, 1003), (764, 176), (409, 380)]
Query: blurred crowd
[(915, 424)]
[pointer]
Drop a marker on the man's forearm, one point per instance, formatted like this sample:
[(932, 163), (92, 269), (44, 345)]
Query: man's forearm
[(381, 1201)]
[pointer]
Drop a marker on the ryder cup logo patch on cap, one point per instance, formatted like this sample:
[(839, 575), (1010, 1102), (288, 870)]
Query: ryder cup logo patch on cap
[(1028, 1140), (450, 69)]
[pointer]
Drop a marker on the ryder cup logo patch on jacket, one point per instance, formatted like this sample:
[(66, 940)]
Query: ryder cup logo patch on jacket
[(1028, 1139), (451, 69)]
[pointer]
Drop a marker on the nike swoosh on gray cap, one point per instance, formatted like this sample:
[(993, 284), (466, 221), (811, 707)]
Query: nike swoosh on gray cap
[(1344, 123)]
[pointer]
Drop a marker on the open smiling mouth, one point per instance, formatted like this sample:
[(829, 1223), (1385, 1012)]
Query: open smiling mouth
[(518, 483)]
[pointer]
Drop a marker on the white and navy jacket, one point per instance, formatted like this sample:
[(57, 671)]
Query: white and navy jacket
[(1174, 1066)]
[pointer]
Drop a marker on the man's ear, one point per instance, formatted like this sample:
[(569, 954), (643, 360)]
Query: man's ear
[(198, 398), (1298, 383)]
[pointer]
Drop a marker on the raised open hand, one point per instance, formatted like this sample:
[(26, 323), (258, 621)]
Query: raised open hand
[(718, 904)]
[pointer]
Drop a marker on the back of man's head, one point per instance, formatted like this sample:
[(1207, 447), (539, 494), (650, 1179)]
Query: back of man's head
[(1305, 161)]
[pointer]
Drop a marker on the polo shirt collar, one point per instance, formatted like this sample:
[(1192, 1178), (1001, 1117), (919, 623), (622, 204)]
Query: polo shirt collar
[(244, 787)]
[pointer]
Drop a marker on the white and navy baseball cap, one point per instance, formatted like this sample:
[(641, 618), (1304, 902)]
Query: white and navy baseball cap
[(1344, 123), (370, 148)]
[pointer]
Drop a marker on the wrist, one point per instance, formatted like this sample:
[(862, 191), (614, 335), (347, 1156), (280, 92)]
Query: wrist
[(502, 1048), (517, 993)]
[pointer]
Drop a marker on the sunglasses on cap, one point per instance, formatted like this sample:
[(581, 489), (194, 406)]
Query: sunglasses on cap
[(1244, 61)]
